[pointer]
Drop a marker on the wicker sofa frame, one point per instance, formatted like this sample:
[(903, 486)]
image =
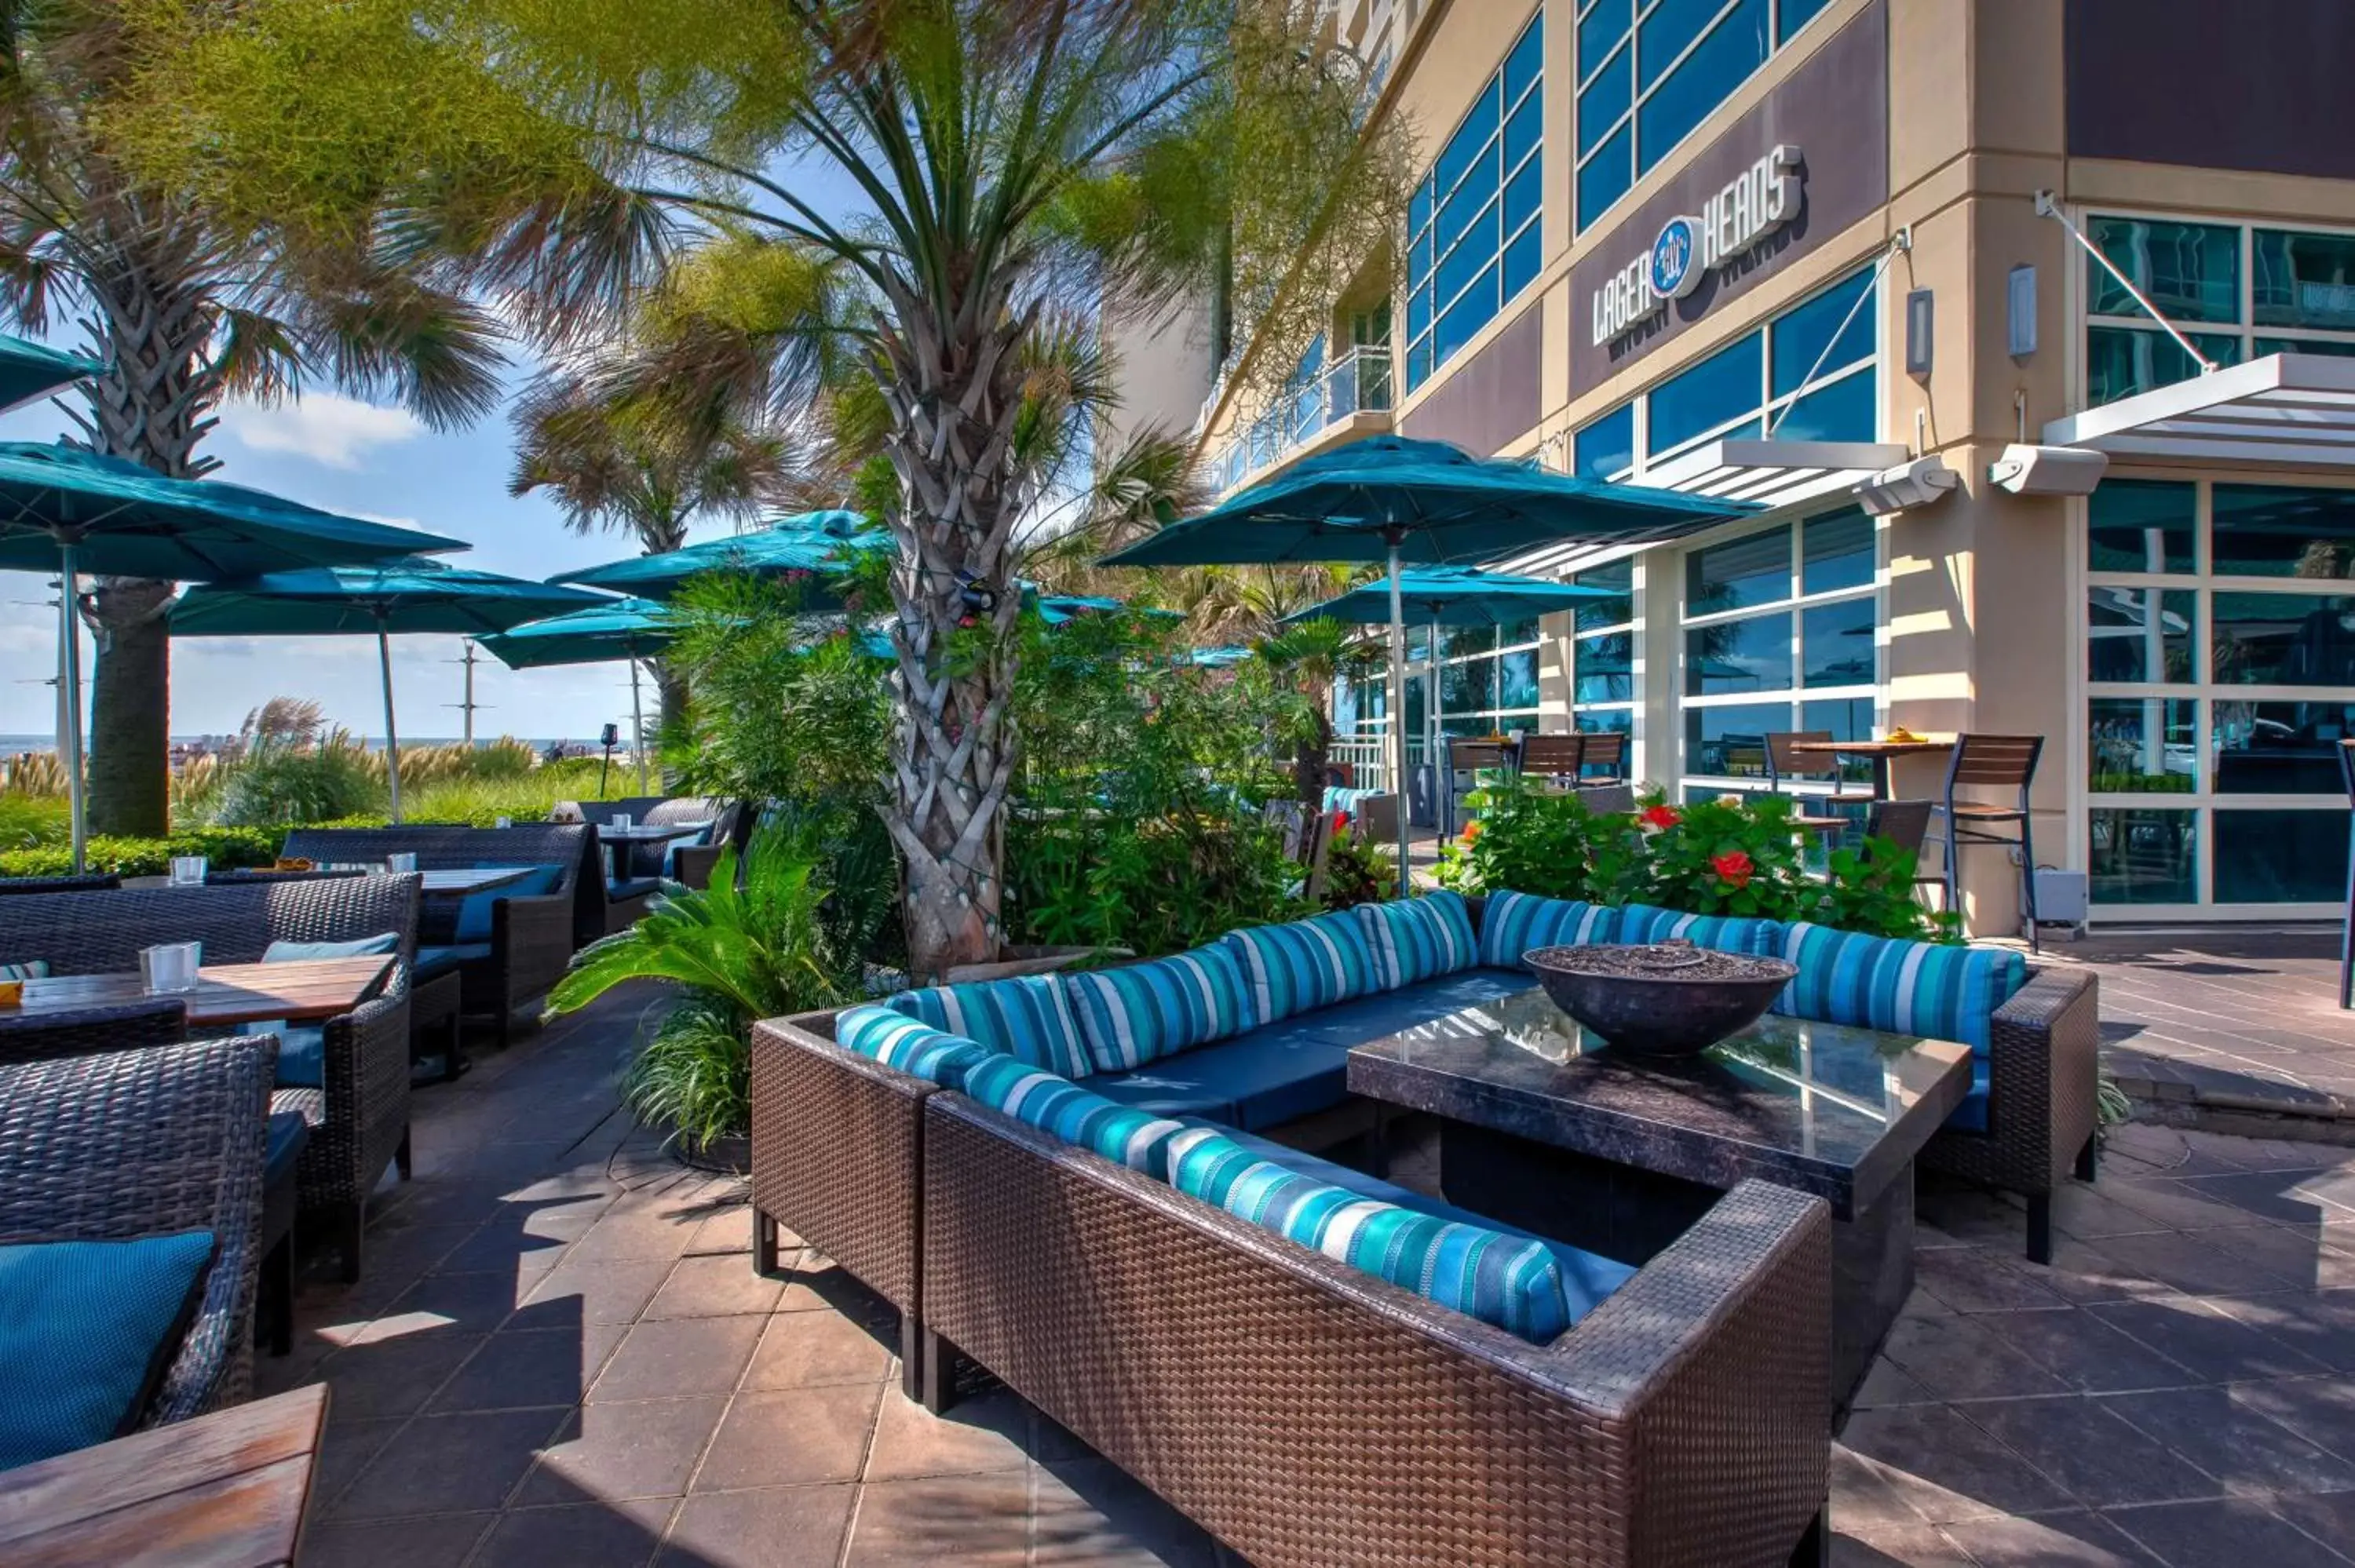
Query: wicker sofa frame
[(119, 1144), (532, 939), (1303, 1412), (114, 1026), (87, 882), (2043, 1107), (359, 1118)]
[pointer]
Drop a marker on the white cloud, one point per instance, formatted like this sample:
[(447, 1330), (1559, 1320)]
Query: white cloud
[(328, 428)]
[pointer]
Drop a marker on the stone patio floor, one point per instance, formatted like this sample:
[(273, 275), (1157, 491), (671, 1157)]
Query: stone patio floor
[(560, 1354)]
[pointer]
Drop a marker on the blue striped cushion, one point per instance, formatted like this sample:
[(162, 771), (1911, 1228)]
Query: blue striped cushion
[(1136, 1138), (911, 1046), (1511, 1282), (1346, 800), (31, 968), (1419, 938), (1727, 933), (1514, 923), (1302, 966), (1937, 991), (1131, 1015), (1028, 1018)]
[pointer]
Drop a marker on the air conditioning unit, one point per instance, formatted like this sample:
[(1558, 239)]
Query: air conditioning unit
[(2061, 897), (2048, 470)]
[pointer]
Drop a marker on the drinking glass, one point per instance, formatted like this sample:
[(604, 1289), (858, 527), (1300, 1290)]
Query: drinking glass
[(406, 860), (188, 871), (621, 822), (504, 822), (170, 967)]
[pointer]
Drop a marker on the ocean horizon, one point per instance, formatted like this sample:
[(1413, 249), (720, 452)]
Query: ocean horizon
[(11, 745)]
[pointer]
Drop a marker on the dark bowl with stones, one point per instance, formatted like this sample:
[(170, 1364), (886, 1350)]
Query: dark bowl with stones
[(1662, 999)]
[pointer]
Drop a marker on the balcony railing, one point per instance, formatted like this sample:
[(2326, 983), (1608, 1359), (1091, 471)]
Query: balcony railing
[(1359, 382)]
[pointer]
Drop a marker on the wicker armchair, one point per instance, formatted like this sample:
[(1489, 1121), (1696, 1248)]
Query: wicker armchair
[(93, 882), (532, 939), (134, 1143), (119, 1026), (359, 1119), (2043, 1077)]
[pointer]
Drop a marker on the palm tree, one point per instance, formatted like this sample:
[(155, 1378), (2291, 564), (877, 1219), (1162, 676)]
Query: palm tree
[(1016, 165), (184, 310), (622, 464), (1305, 660)]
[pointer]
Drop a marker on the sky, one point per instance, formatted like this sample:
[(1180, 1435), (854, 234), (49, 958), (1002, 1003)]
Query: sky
[(347, 456)]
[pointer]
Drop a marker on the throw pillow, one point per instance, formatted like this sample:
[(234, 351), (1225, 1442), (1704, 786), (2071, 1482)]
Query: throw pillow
[(1932, 990), (1513, 923), (474, 911), (1419, 938), (1131, 1015), (1027, 1017), (363, 948), (909, 1044), (1303, 965)]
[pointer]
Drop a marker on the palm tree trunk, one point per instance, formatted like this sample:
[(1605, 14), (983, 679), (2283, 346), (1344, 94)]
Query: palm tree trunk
[(953, 392)]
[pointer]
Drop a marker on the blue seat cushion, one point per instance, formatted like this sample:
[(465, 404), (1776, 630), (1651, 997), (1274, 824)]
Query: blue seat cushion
[(310, 952), (1270, 1077), (1419, 938), (1640, 923), (1125, 1134), (287, 1133), (1936, 990), (1029, 1017), (1303, 965), (622, 889), (434, 962), (1504, 1278), (474, 910), (302, 1052), (1588, 1275), (702, 836), (1514, 923), (1971, 1116), (1138, 1012), (1387, 1012), (31, 968), (909, 1044), (87, 1328)]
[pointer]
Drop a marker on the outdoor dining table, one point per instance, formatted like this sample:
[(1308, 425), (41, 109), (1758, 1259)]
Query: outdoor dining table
[(457, 882), (1882, 753), (224, 1490), (301, 991), (618, 840)]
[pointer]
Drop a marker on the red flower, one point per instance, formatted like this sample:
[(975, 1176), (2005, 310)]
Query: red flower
[(1471, 832), (1663, 816), (1734, 868)]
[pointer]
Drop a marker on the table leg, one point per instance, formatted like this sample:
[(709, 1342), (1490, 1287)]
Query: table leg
[(1633, 1215), (1884, 775)]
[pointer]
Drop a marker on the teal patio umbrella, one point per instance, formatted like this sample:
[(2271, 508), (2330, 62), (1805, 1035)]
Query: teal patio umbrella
[(29, 369), (811, 542), (67, 511), (1062, 610), (630, 628), (1394, 500), (404, 595)]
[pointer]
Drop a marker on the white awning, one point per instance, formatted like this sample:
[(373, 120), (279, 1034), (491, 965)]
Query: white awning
[(2296, 410), (1774, 474)]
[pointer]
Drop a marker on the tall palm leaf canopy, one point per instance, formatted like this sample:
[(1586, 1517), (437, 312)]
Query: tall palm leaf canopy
[(810, 542), (1455, 595), (409, 595), (29, 369), (67, 511), (1393, 499)]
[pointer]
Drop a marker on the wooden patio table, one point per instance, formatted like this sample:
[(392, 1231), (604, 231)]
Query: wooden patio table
[(224, 1490), (301, 991), (455, 882), (1882, 753)]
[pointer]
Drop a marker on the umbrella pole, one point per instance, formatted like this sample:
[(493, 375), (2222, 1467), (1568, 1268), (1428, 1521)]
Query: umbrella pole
[(391, 739), (69, 703), (1398, 713), (638, 725)]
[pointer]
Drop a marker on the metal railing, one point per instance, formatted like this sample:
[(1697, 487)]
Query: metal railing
[(1368, 753), (1358, 382)]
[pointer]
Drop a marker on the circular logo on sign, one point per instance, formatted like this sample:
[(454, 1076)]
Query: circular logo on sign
[(1673, 256)]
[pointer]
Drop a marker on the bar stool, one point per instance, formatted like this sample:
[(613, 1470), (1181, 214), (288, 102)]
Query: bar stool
[(1606, 751), (2001, 762), (1466, 758), (1785, 762), (1556, 757)]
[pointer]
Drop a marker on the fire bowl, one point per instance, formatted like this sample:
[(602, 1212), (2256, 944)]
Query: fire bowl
[(1664, 999)]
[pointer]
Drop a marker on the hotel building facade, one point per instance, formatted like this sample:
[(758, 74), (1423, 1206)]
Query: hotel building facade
[(1837, 257)]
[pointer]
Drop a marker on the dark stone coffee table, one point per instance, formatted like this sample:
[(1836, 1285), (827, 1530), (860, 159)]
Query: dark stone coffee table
[(1545, 1128)]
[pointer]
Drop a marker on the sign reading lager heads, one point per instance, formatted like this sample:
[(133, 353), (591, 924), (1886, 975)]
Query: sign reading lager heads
[(1763, 197)]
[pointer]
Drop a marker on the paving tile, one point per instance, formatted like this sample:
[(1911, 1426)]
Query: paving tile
[(1866, 1494), (2082, 1272), (443, 1543), (602, 1291), (730, 1230), (2092, 1213), (2319, 1326), (581, 1535), (976, 1521), (2197, 1335), (2320, 1410), (2048, 1540), (1092, 1512), (448, 1464), (1899, 1546), (2184, 1262), (1957, 1358), (678, 1357), (714, 1287), (1887, 1385), (635, 1232), (775, 1527), (2328, 1517), (1946, 1468), (2283, 1197), (393, 1377), (808, 1349), (1978, 1279), (519, 1368), (344, 1450), (2090, 1452), (2181, 1205), (2296, 1256), (2231, 1532), (633, 1448), (2082, 1351), (985, 1434), (792, 1438), (2232, 1441)]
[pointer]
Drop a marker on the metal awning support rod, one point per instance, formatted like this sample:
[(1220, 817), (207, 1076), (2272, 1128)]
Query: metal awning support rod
[(2049, 206), (1903, 241)]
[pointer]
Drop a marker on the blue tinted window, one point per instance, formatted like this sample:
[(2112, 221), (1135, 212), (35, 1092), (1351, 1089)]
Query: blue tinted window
[(1740, 573), (1618, 579), (1455, 268), (1672, 25), (2280, 531), (1605, 178), (1730, 743), (1418, 363), (2304, 280), (1838, 640), (1845, 410), (1721, 387), (1477, 251), (1734, 47), (1418, 207), (1739, 656), (1605, 447), (1603, 669), (1801, 333), (1600, 31), (1521, 262), (1838, 547), (1521, 66), (1470, 138), (1522, 131), (2123, 361), (2281, 857), (1600, 106), (1417, 313), (1461, 210), (1521, 196), (1466, 317), (1792, 15), (2145, 525), (2190, 270)]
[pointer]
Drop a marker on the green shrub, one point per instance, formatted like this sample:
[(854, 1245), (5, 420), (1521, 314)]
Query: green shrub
[(279, 783), (226, 849), (1357, 871), (1159, 886), (27, 821)]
